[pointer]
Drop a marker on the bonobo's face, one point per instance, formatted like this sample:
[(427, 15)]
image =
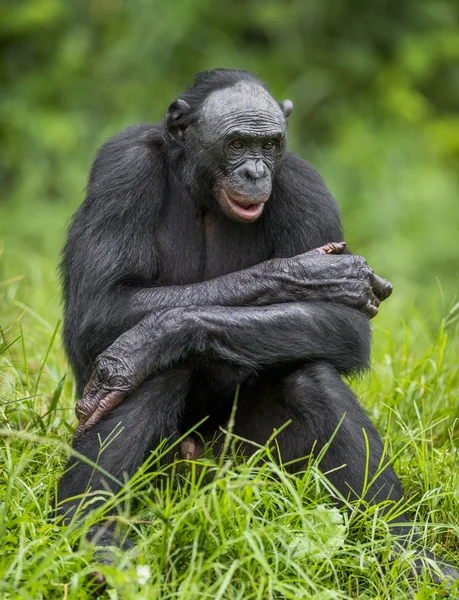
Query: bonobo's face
[(243, 133), (234, 144)]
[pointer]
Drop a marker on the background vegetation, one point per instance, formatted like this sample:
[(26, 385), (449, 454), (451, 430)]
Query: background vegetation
[(375, 87)]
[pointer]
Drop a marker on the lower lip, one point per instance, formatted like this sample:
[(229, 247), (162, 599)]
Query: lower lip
[(249, 213)]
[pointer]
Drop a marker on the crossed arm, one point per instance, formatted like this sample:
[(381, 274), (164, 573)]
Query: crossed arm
[(279, 317)]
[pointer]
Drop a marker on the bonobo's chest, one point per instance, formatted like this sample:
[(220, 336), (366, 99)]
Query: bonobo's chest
[(196, 245)]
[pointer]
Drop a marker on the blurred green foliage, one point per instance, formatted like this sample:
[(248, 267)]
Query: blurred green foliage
[(375, 87)]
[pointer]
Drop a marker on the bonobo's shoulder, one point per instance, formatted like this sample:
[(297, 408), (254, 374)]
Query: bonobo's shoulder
[(297, 181), (296, 171), (129, 152), (304, 207), (141, 135)]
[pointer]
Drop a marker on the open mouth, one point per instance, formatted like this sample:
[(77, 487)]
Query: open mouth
[(242, 208)]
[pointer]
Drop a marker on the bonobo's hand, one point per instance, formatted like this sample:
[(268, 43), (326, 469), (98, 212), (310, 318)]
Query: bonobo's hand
[(105, 390), (343, 278)]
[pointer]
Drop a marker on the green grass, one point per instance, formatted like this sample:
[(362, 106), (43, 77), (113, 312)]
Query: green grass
[(233, 530)]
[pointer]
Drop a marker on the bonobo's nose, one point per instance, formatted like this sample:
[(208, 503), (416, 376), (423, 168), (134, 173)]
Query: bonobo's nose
[(252, 170)]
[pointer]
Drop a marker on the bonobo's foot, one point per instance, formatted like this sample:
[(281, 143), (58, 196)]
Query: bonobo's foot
[(330, 248), (104, 537), (449, 575), (191, 449)]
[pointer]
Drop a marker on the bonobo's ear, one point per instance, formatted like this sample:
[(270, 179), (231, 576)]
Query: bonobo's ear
[(177, 119), (286, 107)]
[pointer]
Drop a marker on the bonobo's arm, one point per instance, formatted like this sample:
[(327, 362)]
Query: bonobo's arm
[(308, 277), (253, 337), (112, 259)]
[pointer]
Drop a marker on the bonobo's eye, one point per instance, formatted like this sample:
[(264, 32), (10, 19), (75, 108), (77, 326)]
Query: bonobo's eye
[(269, 146), (237, 145)]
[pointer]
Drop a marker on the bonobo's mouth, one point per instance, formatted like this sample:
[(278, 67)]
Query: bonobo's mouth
[(241, 207)]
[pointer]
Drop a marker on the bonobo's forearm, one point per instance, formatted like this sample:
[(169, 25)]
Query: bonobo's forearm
[(255, 286), (251, 337), (308, 277), (118, 311), (241, 288)]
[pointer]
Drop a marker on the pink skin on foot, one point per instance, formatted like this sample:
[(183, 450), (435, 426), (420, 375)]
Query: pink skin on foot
[(191, 449)]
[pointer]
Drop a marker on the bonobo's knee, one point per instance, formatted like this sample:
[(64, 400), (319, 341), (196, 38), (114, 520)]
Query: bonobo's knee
[(316, 377), (357, 356), (156, 404), (326, 400), (351, 332), (305, 382), (311, 391), (122, 441)]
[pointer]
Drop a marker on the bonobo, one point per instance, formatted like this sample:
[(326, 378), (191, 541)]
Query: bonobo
[(206, 257)]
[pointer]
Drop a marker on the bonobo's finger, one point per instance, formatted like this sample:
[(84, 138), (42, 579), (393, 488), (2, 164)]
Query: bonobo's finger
[(94, 408), (86, 406), (370, 309), (381, 288), (330, 248), (79, 431), (106, 404), (375, 300)]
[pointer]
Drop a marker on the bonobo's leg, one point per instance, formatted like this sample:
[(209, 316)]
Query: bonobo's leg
[(315, 399), (147, 417)]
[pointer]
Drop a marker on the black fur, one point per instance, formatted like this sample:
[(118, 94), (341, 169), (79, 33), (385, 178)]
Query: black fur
[(179, 304)]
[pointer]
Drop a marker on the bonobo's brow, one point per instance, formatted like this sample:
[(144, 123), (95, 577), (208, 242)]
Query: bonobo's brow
[(252, 134)]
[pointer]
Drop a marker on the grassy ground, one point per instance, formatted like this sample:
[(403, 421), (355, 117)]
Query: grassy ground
[(233, 531)]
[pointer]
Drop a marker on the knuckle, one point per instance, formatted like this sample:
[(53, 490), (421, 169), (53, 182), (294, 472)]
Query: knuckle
[(103, 366), (361, 264), (111, 371)]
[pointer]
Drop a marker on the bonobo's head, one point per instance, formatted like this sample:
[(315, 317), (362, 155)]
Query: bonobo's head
[(233, 135)]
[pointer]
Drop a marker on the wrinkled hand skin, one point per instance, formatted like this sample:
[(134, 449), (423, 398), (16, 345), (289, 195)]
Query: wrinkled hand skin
[(346, 278), (105, 390), (93, 407), (322, 274)]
